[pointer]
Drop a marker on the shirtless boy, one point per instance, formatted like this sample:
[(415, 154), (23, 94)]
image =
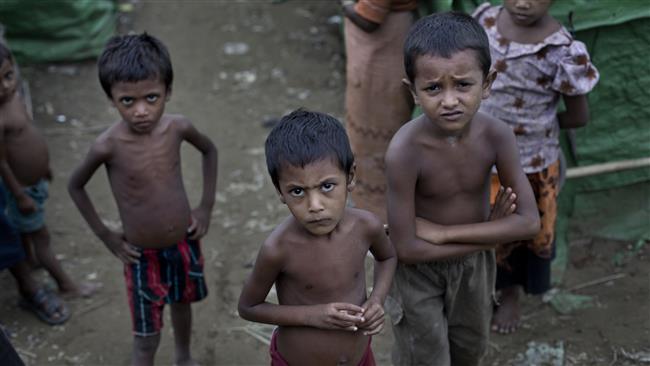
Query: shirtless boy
[(439, 168), (141, 152), (315, 257), (25, 172)]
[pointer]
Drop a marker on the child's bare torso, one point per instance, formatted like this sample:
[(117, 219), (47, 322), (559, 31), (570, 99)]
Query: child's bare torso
[(27, 153), (453, 183), (320, 271), (145, 176)]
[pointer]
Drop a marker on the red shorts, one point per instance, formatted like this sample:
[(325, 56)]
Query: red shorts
[(163, 276), (277, 360)]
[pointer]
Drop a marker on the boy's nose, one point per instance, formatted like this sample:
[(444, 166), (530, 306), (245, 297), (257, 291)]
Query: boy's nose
[(522, 4), (315, 203), (141, 110), (449, 100)]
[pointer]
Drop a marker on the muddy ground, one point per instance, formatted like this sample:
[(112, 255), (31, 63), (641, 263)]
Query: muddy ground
[(238, 63)]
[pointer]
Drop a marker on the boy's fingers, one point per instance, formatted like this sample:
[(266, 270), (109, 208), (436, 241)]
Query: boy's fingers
[(375, 329), (342, 306)]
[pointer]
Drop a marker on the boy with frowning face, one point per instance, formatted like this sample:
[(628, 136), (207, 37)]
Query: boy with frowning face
[(316, 256)]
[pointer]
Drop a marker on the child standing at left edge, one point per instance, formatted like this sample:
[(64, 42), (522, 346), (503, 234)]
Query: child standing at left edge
[(141, 152)]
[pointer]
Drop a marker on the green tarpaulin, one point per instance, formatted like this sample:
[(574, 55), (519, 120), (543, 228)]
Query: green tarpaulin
[(62, 30)]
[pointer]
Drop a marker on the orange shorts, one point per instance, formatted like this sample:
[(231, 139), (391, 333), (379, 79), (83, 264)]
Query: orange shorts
[(545, 185)]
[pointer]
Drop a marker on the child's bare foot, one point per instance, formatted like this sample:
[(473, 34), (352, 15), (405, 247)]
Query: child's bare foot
[(506, 317), (82, 289)]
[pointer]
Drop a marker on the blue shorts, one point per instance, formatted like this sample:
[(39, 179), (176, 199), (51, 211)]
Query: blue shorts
[(33, 221), (11, 250)]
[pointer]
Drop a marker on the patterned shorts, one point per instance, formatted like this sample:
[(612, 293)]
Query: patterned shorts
[(163, 276)]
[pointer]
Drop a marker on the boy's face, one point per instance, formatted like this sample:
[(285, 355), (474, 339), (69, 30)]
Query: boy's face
[(316, 194), (450, 90), (140, 103), (8, 80)]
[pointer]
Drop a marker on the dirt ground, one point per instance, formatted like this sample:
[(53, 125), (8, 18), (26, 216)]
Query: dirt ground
[(237, 64)]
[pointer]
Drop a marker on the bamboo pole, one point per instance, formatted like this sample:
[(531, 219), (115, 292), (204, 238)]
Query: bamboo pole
[(615, 166)]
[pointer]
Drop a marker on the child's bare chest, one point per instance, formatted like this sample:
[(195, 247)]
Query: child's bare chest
[(147, 161), (454, 169), (327, 274)]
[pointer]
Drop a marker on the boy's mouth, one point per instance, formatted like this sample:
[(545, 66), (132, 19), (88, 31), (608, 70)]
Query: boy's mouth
[(451, 116)]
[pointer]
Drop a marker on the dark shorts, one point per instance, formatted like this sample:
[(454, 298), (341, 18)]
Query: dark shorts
[(163, 276), (368, 358), (11, 250)]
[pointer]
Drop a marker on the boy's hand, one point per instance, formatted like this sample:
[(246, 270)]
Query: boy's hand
[(123, 250), (435, 233), (361, 22), (26, 204), (374, 317), (200, 222), (337, 316), (504, 204)]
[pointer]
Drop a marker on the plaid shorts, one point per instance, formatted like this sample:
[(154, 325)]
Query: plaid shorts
[(163, 276)]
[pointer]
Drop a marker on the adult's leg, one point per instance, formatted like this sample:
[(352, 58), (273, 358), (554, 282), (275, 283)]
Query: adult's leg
[(181, 314), (144, 349), (377, 104)]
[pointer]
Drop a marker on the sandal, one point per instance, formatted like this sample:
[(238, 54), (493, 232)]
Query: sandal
[(47, 306)]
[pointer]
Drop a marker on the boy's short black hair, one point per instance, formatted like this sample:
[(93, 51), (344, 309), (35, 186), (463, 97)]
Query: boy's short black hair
[(442, 35), (133, 58), (5, 53), (303, 137)]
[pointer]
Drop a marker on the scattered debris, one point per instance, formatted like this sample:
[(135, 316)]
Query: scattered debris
[(640, 356), (542, 353), (564, 302), (235, 48)]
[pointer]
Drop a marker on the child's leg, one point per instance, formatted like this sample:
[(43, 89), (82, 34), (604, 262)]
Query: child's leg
[(182, 322), (41, 241), (30, 254), (144, 349)]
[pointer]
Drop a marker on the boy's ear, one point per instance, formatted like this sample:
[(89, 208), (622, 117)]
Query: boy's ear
[(487, 83), (352, 177), (411, 88), (168, 94)]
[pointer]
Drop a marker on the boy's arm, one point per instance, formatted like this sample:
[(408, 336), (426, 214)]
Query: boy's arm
[(402, 174), (201, 215), (115, 242), (384, 269), (254, 307), (25, 203), (577, 112), (520, 225)]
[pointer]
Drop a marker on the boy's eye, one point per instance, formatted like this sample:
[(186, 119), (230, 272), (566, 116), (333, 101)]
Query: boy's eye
[(126, 101), (9, 75), (464, 84), (326, 187), (152, 98), (297, 192), (432, 88)]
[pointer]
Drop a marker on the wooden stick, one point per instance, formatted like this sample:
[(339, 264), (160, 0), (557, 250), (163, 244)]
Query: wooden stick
[(598, 281), (614, 166)]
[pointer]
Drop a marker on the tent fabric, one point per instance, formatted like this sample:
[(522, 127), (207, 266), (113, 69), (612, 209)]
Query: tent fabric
[(63, 30)]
